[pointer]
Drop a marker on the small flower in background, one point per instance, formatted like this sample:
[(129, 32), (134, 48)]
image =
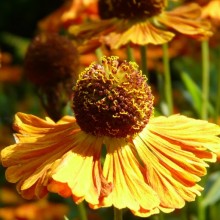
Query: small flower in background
[(141, 23), (79, 7), (71, 12), (211, 11), (9, 72), (151, 164), (41, 209), (52, 63), (51, 58)]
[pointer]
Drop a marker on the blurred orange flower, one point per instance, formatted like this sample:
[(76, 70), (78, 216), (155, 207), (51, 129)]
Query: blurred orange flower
[(211, 11), (71, 12), (34, 211), (9, 72), (150, 164), (140, 23)]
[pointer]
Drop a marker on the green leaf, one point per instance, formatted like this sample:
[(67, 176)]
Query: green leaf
[(213, 193), (195, 93)]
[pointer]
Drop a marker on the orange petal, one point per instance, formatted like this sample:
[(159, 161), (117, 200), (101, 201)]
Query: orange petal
[(174, 151), (141, 33), (93, 29), (40, 146), (116, 33), (211, 11), (80, 172), (188, 11), (184, 20), (122, 168)]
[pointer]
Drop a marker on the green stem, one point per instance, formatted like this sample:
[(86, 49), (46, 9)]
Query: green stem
[(205, 79), (218, 95), (161, 216), (200, 208), (82, 211), (184, 213), (213, 211), (130, 55), (143, 51), (117, 214), (168, 87), (99, 54)]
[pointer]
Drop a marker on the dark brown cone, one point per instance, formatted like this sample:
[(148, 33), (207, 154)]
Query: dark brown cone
[(130, 9), (52, 63), (50, 59)]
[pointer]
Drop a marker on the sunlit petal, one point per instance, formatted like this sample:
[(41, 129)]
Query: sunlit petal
[(122, 168), (80, 173), (174, 151), (141, 34), (185, 20), (28, 161)]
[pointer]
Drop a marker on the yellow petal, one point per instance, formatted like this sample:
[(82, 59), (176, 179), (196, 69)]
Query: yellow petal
[(185, 20), (123, 170), (141, 33), (80, 172), (174, 150), (40, 146)]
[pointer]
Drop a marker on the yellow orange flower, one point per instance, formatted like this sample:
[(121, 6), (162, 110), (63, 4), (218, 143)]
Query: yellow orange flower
[(71, 12), (113, 152), (8, 71), (140, 22), (52, 64), (34, 211), (211, 11)]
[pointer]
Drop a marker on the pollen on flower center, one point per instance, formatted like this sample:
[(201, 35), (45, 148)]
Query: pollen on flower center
[(130, 8), (112, 99)]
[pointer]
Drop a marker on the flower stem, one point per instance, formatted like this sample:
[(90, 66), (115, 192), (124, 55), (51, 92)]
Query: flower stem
[(168, 88), (117, 214), (184, 213), (143, 51), (130, 55), (99, 54), (217, 110), (205, 79), (200, 208), (82, 211)]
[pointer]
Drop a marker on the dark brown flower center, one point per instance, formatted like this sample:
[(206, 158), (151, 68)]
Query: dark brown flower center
[(112, 99), (50, 59), (135, 9)]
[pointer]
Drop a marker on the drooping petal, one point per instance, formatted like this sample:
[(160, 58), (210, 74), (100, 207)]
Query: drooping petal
[(119, 32), (183, 20), (39, 146), (211, 11), (42, 148), (141, 33), (90, 34), (174, 150), (80, 172), (122, 168)]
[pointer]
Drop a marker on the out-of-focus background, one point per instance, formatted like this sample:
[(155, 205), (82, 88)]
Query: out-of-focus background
[(20, 22)]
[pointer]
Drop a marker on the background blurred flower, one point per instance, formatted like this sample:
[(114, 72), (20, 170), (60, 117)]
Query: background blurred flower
[(150, 23), (71, 12), (41, 209), (211, 11), (9, 72), (51, 63), (161, 158)]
